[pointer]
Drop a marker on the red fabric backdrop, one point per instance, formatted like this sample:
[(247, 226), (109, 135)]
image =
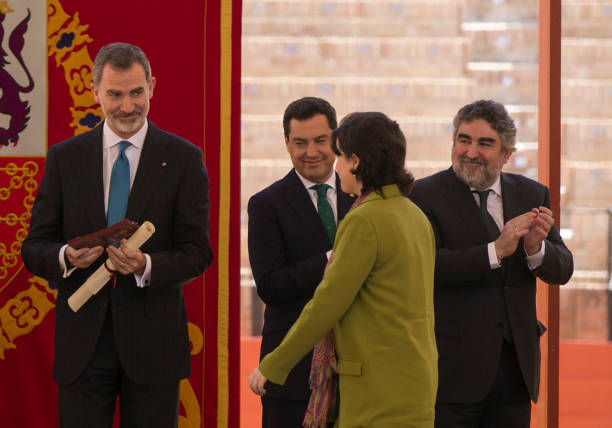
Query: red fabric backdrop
[(187, 43)]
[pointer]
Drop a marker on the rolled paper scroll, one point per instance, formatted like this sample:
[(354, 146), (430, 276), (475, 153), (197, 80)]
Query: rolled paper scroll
[(100, 277)]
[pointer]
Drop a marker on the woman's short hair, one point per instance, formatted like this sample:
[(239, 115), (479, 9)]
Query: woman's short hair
[(381, 147)]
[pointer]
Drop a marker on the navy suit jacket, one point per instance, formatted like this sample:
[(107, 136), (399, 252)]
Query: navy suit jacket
[(287, 251), (469, 297), (170, 190)]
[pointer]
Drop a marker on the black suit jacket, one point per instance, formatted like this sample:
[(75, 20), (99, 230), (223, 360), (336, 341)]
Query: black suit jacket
[(469, 297), (287, 251), (170, 190)]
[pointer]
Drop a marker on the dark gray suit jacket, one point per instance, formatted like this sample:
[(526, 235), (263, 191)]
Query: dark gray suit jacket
[(287, 251), (469, 297), (171, 191)]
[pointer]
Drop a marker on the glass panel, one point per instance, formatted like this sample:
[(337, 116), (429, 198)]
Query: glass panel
[(419, 61), (586, 197)]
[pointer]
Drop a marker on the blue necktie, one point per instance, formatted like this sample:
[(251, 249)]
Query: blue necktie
[(119, 190), (325, 211)]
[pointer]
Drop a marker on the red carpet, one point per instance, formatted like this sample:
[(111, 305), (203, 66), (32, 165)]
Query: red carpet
[(585, 385), (250, 405)]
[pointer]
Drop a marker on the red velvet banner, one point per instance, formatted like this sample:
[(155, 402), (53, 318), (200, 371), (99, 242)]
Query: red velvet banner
[(194, 50)]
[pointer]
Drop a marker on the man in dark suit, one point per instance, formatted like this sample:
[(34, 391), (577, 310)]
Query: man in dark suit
[(495, 235), (130, 339), (291, 232)]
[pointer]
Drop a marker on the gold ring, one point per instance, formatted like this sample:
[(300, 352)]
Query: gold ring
[(516, 229)]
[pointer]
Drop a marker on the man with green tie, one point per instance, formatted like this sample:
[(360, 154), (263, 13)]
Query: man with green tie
[(292, 225)]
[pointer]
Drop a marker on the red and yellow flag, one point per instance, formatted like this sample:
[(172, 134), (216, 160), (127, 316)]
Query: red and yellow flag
[(46, 55)]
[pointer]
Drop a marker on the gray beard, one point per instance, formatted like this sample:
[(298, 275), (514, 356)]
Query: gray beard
[(128, 128), (477, 181)]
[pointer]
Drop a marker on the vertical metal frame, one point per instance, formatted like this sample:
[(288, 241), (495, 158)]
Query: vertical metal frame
[(549, 173)]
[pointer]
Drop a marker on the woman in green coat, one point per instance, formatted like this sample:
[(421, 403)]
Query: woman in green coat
[(377, 291)]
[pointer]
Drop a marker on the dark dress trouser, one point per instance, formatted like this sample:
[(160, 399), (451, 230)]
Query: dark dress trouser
[(279, 413), (90, 401), (507, 405)]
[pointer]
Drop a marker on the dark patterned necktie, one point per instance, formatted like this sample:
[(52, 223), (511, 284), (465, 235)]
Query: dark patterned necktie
[(119, 189), (489, 222), (325, 211)]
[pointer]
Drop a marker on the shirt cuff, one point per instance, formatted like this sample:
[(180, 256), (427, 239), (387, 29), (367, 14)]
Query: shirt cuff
[(62, 262), (535, 260), (493, 261), (144, 280)]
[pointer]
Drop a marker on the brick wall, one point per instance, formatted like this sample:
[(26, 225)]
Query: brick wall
[(419, 61)]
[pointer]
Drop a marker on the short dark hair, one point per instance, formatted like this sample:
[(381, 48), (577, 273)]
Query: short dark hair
[(495, 114), (381, 147), (308, 107), (120, 56)]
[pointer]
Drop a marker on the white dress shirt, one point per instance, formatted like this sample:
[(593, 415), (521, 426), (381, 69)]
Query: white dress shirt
[(110, 151)]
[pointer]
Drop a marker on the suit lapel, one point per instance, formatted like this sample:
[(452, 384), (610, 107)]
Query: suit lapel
[(148, 175), (89, 167), (462, 200), (511, 197), (299, 201), (511, 200)]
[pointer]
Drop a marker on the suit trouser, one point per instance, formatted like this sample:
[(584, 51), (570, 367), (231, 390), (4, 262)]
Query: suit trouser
[(506, 406), (90, 401), (279, 413)]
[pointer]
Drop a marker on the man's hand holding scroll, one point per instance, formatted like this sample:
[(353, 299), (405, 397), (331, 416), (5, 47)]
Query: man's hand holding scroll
[(126, 260)]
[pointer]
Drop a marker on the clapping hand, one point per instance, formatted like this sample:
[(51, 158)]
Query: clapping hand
[(538, 230), (513, 231)]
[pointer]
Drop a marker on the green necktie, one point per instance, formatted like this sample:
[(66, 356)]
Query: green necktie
[(489, 222), (325, 211)]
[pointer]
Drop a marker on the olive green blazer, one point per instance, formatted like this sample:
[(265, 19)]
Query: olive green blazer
[(377, 296)]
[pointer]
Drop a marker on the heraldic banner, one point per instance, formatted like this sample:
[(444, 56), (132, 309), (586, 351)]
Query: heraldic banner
[(46, 52)]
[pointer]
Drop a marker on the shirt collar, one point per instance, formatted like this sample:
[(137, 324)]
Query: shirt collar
[(331, 181), (496, 186), (109, 138)]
